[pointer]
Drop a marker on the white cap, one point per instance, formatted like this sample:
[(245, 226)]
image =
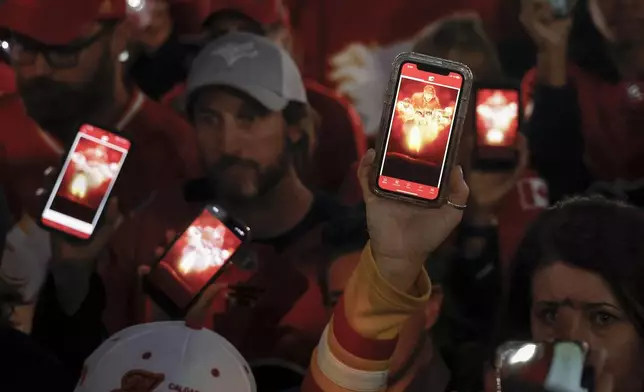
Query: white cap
[(252, 64), (163, 357)]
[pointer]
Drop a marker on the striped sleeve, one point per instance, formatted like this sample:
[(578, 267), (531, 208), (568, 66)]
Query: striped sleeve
[(354, 351)]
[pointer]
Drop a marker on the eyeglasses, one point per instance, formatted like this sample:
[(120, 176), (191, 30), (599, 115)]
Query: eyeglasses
[(23, 51)]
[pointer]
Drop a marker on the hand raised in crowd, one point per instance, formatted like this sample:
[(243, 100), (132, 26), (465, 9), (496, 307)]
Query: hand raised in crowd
[(548, 32), (487, 189), (403, 235)]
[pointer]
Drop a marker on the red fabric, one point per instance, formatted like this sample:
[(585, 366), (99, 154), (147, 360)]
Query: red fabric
[(611, 124), (325, 27), (7, 80), (515, 212), (189, 15), (341, 139), (57, 22), (528, 84), (356, 344)]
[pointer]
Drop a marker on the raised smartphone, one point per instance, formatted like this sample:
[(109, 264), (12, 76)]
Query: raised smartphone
[(420, 129), (194, 260), (498, 116), (89, 172)]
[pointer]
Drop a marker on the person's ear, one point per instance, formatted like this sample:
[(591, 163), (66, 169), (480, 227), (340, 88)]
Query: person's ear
[(433, 307)]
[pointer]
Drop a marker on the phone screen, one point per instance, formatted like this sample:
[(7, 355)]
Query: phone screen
[(85, 181), (497, 117), (200, 252), (420, 130)]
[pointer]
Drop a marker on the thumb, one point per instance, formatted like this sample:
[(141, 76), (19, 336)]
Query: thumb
[(144, 305), (364, 172), (197, 313)]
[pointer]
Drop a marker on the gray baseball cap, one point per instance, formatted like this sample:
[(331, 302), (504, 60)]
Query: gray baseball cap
[(251, 64)]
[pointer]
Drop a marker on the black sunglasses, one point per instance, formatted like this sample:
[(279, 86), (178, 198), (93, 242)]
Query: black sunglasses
[(23, 51)]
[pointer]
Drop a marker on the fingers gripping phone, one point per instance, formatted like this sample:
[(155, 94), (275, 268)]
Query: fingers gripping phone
[(195, 259), (498, 116), (83, 187), (552, 366), (420, 129)]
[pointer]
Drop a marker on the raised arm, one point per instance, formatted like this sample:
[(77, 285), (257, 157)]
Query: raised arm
[(386, 289)]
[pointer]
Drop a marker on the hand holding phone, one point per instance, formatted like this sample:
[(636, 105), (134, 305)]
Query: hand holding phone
[(421, 128), (194, 260), (403, 235)]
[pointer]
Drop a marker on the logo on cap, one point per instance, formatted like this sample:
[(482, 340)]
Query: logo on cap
[(231, 53), (140, 381)]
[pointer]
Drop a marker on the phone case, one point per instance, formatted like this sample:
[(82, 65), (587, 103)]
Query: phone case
[(387, 113), (44, 197), (157, 289)]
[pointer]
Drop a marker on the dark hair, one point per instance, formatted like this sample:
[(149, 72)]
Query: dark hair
[(591, 233)]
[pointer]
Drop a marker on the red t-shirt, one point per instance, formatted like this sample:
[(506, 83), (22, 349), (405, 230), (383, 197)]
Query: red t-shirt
[(612, 116)]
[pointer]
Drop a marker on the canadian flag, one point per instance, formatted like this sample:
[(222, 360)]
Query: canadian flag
[(533, 193)]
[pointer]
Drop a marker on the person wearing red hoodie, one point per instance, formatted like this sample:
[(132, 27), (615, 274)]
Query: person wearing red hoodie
[(65, 57), (585, 97), (340, 137)]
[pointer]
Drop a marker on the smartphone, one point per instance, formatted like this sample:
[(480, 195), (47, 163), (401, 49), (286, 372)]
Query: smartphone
[(498, 116), (89, 172), (553, 366), (420, 129), (195, 259)]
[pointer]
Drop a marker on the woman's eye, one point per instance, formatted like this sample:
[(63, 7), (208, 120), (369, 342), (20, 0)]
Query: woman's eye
[(206, 120), (602, 319)]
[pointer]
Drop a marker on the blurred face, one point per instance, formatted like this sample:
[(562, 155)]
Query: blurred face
[(429, 95), (244, 147), (58, 96), (573, 304)]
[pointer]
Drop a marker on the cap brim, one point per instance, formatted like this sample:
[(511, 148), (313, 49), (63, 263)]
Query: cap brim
[(264, 96), (48, 26)]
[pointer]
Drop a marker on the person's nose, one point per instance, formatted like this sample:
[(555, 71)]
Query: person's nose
[(570, 326), (233, 142)]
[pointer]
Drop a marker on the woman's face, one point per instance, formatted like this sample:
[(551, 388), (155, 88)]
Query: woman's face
[(574, 304)]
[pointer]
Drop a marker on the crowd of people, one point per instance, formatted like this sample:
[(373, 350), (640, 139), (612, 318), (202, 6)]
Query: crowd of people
[(341, 290)]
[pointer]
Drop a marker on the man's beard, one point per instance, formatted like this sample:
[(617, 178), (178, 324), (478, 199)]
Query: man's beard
[(59, 107), (230, 188)]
